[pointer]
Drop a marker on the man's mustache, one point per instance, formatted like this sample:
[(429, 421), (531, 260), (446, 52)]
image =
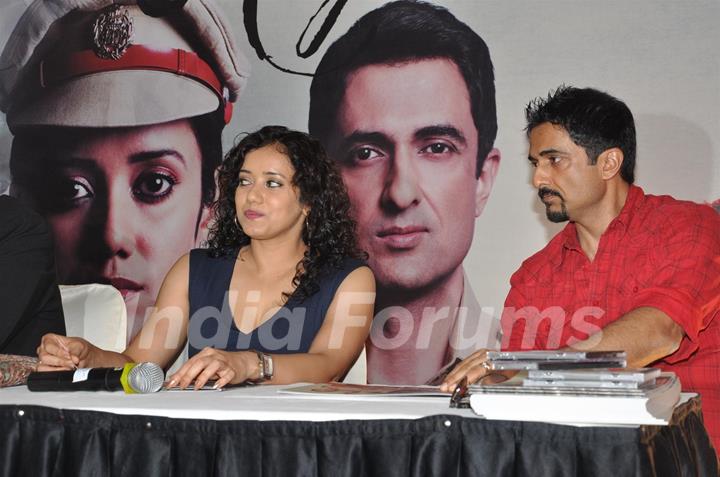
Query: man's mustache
[(546, 191)]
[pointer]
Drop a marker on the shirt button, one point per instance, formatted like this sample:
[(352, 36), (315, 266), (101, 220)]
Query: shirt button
[(596, 303), (635, 289)]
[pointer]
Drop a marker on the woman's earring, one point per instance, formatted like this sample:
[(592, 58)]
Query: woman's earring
[(237, 223)]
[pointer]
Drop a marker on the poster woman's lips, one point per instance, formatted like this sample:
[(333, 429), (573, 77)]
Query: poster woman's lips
[(125, 285)]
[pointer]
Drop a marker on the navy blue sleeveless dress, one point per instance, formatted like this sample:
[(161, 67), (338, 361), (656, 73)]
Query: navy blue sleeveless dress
[(290, 330)]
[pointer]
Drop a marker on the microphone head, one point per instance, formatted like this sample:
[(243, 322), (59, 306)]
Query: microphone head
[(146, 378)]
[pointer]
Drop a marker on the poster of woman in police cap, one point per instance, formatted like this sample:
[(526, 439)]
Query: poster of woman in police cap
[(117, 119)]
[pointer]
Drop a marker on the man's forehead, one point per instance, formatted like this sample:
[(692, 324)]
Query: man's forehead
[(547, 138), (545, 133), (398, 100)]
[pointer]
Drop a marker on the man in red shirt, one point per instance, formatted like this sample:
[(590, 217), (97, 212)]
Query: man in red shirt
[(630, 271)]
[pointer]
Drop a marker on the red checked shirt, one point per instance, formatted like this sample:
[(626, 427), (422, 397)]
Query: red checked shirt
[(658, 252)]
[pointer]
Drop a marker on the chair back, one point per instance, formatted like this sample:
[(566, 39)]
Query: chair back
[(358, 371), (97, 313)]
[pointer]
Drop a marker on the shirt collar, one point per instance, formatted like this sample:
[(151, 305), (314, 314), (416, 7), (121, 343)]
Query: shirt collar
[(475, 320), (633, 201)]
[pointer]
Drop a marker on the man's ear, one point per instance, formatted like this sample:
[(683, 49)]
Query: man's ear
[(486, 180), (610, 161)]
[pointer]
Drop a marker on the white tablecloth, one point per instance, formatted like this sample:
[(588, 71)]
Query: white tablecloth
[(252, 403), (262, 403)]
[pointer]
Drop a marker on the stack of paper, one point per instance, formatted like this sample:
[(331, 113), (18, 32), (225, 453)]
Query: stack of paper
[(515, 360), (585, 401), (628, 378)]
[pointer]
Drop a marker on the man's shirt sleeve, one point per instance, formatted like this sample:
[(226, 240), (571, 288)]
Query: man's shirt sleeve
[(686, 280)]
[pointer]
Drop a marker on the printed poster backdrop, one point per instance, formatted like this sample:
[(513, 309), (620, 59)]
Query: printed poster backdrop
[(658, 56)]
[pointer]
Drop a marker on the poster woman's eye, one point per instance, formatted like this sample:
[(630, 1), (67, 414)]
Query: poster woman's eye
[(63, 193), (74, 190), (153, 186)]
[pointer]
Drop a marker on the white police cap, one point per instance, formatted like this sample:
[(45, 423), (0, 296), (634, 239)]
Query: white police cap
[(104, 63)]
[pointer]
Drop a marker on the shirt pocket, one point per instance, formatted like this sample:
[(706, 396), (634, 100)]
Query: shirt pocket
[(625, 291)]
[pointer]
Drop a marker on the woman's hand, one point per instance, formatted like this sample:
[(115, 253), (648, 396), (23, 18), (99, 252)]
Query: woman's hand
[(225, 367), (57, 352)]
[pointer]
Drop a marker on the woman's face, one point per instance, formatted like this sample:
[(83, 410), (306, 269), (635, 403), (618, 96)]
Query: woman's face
[(266, 201), (124, 205)]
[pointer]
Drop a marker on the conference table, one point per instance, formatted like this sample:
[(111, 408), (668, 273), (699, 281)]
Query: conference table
[(261, 431)]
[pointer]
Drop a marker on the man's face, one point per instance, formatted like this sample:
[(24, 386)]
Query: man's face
[(407, 149), (569, 186)]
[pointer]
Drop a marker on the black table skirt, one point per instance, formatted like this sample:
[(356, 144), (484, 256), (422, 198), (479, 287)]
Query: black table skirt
[(41, 441)]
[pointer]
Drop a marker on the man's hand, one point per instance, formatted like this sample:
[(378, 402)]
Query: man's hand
[(474, 367)]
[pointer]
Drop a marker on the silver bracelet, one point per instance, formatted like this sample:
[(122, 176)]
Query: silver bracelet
[(265, 366)]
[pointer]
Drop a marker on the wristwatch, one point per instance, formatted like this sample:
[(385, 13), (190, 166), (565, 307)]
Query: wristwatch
[(265, 365)]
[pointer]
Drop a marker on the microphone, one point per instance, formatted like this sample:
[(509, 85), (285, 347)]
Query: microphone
[(132, 378)]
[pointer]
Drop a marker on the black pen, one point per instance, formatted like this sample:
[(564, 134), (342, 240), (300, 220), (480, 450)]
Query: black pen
[(459, 393)]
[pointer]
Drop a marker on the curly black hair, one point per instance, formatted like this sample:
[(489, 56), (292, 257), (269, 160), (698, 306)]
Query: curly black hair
[(329, 232)]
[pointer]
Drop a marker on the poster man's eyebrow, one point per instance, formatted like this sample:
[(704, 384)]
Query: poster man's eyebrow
[(441, 130), (369, 137)]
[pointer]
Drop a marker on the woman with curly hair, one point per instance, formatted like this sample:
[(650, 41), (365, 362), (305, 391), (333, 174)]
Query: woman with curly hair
[(282, 294)]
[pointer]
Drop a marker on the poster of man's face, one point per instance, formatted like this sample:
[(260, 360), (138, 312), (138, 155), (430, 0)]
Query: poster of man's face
[(418, 172), (410, 169), (420, 104)]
